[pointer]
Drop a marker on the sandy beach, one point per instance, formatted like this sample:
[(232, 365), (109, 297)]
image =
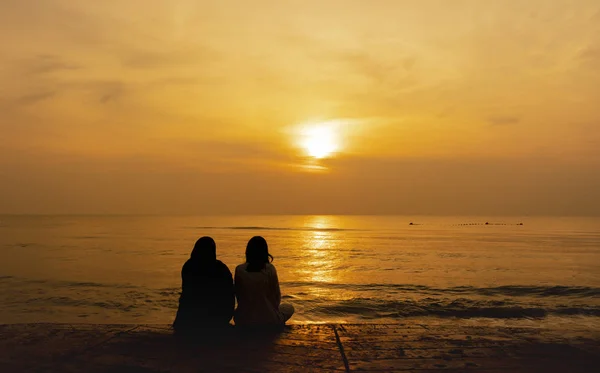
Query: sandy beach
[(422, 347)]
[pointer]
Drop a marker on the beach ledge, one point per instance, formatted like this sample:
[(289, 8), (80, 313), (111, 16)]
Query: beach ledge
[(299, 348)]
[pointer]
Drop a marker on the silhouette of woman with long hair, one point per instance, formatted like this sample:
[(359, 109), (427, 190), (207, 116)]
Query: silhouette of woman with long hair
[(207, 293), (257, 289)]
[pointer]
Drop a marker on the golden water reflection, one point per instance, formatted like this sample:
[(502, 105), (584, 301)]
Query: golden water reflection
[(321, 260)]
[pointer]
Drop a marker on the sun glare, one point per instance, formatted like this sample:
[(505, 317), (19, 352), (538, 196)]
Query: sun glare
[(319, 140)]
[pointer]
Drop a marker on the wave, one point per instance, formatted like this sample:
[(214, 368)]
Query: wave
[(506, 290), (459, 308), (534, 291), (325, 308), (52, 284), (366, 302), (540, 291)]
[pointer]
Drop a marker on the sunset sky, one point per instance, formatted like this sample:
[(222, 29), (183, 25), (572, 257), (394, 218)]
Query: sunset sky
[(207, 107)]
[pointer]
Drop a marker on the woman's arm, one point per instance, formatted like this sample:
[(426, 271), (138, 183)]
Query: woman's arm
[(228, 291), (276, 289), (184, 272), (236, 285)]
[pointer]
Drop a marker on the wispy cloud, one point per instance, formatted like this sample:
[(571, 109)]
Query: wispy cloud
[(164, 56), (34, 98), (109, 91), (503, 120), (46, 64), (591, 55), (365, 60)]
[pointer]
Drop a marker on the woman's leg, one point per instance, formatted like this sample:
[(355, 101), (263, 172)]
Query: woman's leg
[(287, 310)]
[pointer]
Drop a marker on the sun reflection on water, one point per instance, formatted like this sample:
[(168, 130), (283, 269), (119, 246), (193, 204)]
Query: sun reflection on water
[(319, 257), (321, 260)]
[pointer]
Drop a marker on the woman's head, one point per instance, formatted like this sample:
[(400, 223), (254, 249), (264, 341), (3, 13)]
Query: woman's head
[(257, 254), (205, 250)]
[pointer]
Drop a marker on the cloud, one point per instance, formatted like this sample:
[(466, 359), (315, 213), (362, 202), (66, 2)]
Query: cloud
[(46, 64), (166, 57), (596, 17), (377, 69), (503, 120), (109, 91), (367, 61), (108, 98), (34, 98), (591, 54)]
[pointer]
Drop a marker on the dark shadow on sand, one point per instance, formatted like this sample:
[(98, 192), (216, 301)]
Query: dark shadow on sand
[(229, 348)]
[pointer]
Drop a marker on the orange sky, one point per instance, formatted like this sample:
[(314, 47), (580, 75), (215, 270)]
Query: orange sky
[(195, 107)]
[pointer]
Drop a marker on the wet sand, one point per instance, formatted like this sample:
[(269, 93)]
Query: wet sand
[(400, 347)]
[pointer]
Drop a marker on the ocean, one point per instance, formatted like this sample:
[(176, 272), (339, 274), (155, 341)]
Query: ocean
[(353, 269)]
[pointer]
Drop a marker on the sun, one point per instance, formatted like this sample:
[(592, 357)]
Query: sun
[(319, 140)]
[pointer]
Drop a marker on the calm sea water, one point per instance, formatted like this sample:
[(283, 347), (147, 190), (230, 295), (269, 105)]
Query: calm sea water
[(126, 269)]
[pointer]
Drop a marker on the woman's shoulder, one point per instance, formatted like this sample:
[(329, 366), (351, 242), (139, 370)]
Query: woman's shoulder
[(270, 268), (222, 266), (189, 266)]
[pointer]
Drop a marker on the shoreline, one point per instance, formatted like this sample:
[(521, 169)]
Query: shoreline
[(328, 347), (550, 322)]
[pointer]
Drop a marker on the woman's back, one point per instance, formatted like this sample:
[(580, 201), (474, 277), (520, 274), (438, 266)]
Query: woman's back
[(207, 293), (209, 286), (258, 296)]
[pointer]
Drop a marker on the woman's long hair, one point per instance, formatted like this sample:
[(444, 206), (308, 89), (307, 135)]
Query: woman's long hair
[(204, 254), (257, 254)]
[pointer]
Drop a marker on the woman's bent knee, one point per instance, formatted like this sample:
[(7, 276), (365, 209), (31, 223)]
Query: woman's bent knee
[(287, 310)]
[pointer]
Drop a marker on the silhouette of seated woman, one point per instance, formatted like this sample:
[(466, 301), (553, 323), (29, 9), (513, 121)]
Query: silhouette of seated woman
[(257, 289), (207, 294)]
